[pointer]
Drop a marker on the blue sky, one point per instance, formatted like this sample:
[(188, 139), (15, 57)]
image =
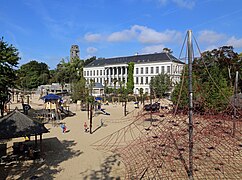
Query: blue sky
[(44, 30)]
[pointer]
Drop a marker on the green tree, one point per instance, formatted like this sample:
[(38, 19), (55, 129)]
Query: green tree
[(87, 61), (130, 82), (160, 84), (212, 80), (8, 61), (67, 72), (79, 90), (32, 74), (225, 58)]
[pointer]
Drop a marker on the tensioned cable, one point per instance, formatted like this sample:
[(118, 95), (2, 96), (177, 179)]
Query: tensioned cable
[(183, 75), (213, 79)]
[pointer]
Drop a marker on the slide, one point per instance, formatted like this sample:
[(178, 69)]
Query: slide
[(66, 112), (104, 112)]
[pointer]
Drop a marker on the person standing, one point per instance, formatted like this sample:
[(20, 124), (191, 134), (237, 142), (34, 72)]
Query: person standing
[(85, 127)]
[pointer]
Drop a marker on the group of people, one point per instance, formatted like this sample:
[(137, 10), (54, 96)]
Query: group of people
[(64, 128)]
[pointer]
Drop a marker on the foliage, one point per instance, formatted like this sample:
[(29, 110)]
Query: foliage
[(213, 76), (216, 99), (67, 72), (87, 61), (79, 90), (226, 59), (8, 60), (160, 84), (32, 74), (130, 82)]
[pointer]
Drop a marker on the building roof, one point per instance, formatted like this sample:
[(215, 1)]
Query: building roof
[(50, 97), (17, 124), (98, 86), (145, 58)]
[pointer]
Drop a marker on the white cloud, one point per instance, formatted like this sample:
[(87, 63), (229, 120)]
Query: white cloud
[(152, 49), (124, 35), (91, 50), (210, 37), (148, 35), (236, 43), (92, 37), (144, 35)]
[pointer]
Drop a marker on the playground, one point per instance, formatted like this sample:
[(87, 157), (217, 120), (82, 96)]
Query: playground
[(121, 147)]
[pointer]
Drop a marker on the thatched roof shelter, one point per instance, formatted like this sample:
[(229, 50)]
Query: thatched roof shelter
[(16, 124)]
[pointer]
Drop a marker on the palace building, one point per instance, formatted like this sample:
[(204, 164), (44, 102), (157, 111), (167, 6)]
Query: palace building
[(115, 70)]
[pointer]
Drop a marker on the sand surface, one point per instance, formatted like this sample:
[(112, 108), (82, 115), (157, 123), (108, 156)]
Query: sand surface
[(71, 155)]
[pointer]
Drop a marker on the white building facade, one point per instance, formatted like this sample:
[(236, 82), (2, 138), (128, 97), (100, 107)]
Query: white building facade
[(109, 71)]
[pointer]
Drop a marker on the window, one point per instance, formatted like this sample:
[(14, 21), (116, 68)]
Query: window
[(163, 69), (146, 70), (101, 79), (137, 80), (101, 72), (168, 69), (137, 70), (151, 79), (84, 73), (141, 71), (97, 72), (94, 73), (90, 73), (157, 70), (87, 73), (146, 80), (141, 80), (151, 70)]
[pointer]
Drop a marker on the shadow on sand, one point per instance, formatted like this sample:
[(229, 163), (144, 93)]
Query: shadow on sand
[(54, 153), (105, 170)]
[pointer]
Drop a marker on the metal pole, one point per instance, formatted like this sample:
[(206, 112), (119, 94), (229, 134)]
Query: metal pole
[(190, 57), (235, 99)]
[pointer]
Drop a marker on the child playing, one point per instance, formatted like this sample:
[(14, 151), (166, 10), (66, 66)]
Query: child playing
[(85, 127), (63, 127)]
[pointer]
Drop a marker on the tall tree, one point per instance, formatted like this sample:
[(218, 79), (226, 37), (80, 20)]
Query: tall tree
[(130, 82), (8, 61), (160, 85), (33, 74), (213, 76), (225, 58), (79, 90)]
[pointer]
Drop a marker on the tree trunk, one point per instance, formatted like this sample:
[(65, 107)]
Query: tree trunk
[(2, 109), (91, 119), (88, 109), (125, 111)]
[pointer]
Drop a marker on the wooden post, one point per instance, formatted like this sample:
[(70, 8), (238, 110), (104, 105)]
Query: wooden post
[(35, 140), (27, 99), (41, 149), (91, 118)]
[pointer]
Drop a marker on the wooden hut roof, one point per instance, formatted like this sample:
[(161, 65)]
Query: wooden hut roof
[(16, 124)]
